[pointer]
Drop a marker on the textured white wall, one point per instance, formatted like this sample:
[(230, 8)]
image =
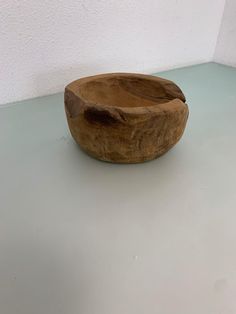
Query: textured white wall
[(46, 44), (226, 44)]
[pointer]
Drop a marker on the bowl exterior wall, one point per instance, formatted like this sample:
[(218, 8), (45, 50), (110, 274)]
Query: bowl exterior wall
[(125, 135)]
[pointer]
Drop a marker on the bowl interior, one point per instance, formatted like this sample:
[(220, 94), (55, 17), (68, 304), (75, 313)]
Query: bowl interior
[(125, 91)]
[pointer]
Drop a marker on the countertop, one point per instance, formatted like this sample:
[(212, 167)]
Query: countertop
[(81, 236)]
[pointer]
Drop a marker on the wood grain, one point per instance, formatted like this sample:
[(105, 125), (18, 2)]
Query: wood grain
[(124, 117)]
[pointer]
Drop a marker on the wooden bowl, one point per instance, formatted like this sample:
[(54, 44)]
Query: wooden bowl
[(124, 117)]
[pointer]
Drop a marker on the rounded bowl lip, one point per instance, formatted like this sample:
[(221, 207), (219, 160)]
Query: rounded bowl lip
[(172, 105)]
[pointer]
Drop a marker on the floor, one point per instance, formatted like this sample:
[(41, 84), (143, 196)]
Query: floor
[(80, 236)]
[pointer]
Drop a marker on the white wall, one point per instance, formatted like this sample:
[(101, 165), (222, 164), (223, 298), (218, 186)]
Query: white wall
[(46, 44), (226, 44)]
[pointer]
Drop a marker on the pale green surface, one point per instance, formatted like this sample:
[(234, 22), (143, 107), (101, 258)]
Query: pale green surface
[(82, 236)]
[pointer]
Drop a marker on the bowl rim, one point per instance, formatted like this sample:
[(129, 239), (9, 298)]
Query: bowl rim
[(173, 105)]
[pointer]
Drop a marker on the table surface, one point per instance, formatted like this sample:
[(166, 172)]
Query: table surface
[(80, 236)]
